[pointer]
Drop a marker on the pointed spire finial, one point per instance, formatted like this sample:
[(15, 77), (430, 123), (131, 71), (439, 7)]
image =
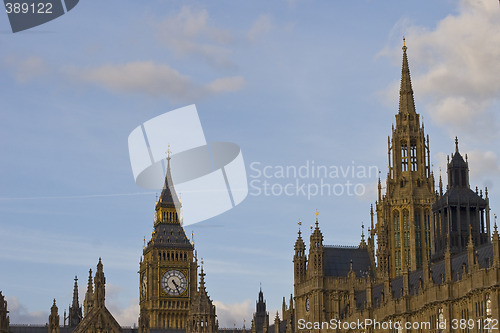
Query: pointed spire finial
[(362, 232), (168, 152), (299, 223), (75, 293), (406, 100), (440, 183), (317, 213), (456, 144)]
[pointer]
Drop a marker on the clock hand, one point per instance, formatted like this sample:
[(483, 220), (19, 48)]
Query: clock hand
[(176, 287)]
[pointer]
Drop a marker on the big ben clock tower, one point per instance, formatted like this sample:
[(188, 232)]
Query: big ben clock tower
[(167, 271)]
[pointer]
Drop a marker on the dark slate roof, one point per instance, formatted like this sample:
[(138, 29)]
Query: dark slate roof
[(169, 235), (455, 193), (485, 259), (457, 160), (337, 261)]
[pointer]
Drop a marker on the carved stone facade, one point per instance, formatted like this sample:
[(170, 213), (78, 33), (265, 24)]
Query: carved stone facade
[(437, 267)]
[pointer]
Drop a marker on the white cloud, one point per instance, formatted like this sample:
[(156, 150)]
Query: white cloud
[(127, 316), (226, 84), (261, 26), (26, 69), (191, 32), (156, 80), (233, 314), (483, 165), (19, 314), (370, 192), (456, 66)]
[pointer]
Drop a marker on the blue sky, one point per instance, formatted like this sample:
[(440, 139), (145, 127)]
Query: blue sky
[(291, 82)]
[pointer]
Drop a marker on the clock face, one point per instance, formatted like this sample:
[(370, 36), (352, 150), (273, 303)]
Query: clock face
[(174, 282), (307, 304), (144, 285)]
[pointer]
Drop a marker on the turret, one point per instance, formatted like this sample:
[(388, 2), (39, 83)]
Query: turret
[(299, 259), (496, 246), (53, 326), (202, 317), (100, 286), (460, 212), (470, 253), (75, 310), (277, 323), (315, 266)]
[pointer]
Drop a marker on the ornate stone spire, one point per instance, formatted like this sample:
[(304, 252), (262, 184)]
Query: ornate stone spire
[(88, 302), (75, 303), (75, 310), (406, 101), (202, 288), (362, 244), (53, 319), (100, 285)]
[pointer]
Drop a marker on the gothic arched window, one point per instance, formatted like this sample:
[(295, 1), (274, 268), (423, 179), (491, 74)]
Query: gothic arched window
[(404, 156)]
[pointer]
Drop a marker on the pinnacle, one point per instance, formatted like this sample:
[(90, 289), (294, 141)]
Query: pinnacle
[(406, 102)]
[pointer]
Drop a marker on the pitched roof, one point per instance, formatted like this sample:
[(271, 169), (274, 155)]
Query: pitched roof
[(337, 261)]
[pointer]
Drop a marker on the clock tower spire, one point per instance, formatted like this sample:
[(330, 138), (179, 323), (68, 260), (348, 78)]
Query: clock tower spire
[(168, 268)]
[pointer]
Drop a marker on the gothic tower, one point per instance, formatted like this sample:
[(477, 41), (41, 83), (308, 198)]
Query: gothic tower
[(75, 310), (261, 316), (167, 271), (403, 226), (460, 214)]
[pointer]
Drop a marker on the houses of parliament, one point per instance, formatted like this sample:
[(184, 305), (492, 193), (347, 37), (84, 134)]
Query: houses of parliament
[(429, 263)]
